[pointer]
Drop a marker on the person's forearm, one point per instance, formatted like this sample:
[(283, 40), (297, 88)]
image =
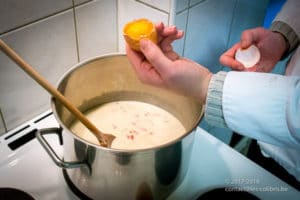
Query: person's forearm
[(262, 106)]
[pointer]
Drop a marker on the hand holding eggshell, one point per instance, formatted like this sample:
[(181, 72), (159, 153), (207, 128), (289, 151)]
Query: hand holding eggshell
[(242, 55), (137, 30)]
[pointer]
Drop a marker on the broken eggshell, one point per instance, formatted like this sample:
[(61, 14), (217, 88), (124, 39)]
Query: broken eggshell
[(139, 29), (248, 57)]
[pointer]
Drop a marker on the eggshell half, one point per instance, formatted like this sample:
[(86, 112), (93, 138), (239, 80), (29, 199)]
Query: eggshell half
[(248, 57)]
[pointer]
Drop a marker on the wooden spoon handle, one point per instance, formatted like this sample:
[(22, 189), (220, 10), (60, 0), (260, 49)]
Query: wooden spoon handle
[(53, 91)]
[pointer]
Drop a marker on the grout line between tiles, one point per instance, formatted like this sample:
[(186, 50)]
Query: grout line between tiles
[(172, 12), (117, 26), (230, 27), (149, 5), (195, 4), (181, 11), (40, 19), (82, 3), (189, 6), (229, 34), (186, 30)]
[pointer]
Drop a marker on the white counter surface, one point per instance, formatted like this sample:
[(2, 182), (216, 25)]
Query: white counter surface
[(215, 165)]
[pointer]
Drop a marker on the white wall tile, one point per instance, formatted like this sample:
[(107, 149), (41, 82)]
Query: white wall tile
[(49, 46), (130, 10), (160, 4), (97, 28), (15, 13)]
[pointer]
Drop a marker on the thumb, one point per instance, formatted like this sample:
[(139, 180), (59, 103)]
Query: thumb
[(248, 37), (154, 55)]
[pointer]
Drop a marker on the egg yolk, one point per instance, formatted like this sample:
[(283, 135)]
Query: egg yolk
[(139, 29)]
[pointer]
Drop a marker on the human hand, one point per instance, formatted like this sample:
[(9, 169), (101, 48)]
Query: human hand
[(162, 67), (166, 36), (271, 45)]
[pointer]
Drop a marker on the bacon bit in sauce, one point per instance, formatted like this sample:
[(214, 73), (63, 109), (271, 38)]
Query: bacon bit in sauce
[(147, 114), (133, 132), (133, 123), (143, 129), (114, 126), (130, 137)]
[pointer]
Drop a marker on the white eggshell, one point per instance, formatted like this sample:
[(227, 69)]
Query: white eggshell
[(248, 57)]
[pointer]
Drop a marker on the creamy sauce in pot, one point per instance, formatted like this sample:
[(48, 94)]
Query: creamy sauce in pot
[(136, 125)]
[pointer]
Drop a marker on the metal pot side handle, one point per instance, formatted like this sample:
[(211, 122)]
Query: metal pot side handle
[(57, 160)]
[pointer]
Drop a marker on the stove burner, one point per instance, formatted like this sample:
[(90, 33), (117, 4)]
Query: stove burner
[(14, 194), (221, 192)]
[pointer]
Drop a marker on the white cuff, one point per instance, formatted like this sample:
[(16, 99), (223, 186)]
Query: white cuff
[(213, 109)]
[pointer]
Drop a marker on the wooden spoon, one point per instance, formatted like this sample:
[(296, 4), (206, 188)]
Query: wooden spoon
[(103, 138)]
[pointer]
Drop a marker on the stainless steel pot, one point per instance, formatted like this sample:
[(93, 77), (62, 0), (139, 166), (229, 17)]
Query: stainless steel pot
[(102, 173)]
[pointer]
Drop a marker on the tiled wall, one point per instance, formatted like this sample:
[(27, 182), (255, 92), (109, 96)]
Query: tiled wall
[(50, 36), (211, 27), (141, 10)]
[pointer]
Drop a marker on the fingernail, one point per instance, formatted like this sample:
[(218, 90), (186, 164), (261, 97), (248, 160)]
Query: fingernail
[(173, 27), (159, 26), (144, 44), (180, 32), (244, 44)]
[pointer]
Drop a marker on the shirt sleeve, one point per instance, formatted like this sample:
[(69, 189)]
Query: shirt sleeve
[(287, 23), (262, 106), (288, 33)]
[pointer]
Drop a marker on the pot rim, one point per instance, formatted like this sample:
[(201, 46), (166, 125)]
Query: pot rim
[(83, 63)]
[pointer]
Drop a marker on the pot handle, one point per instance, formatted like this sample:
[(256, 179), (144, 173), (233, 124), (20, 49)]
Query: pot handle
[(57, 160)]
